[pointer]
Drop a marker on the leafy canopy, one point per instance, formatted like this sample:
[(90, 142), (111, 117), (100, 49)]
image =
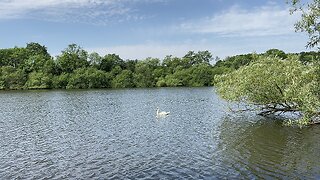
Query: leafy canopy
[(310, 20), (274, 86)]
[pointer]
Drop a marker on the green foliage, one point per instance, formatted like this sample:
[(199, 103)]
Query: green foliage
[(144, 72), (309, 21), (61, 81), (13, 57), (201, 75), (11, 78), (171, 81), (195, 76), (95, 60), (110, 61), (36, 49), (85, 78), (39, 63), (276, 53), (39, 80), (32, 67), (115, 71), (72, 58), (161, 82), (172, 64), (130, 65), (309, 57), (123, 80), (192, 58), (219, 70), (302, 122), (274, 85)]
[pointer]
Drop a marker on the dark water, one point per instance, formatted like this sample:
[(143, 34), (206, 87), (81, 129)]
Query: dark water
[(114, 134)]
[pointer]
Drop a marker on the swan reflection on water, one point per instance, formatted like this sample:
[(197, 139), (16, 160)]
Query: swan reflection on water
[(162, 113)]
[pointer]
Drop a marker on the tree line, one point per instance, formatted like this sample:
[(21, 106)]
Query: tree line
[(32, 67)]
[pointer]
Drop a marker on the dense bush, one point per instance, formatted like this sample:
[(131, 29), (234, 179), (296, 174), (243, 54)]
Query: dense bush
[(32, 67), (274, 85)]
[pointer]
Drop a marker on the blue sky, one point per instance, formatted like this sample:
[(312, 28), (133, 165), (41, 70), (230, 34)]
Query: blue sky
[(137, 29)]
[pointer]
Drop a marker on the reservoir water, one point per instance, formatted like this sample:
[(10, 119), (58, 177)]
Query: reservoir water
[(114, 134)]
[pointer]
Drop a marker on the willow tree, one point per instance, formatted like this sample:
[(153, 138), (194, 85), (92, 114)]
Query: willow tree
[(274, 86), (310, 19)]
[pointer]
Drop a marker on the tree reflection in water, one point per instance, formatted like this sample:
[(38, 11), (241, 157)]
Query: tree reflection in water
[(256, 147)]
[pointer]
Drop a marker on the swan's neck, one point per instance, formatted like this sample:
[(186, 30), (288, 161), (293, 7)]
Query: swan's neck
[(157, 111)]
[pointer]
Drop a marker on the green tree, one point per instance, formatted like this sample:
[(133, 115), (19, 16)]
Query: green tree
[(144, 72), (37, 49), (131, 65), (180, 78), (95, 59), (219, 70), (161, 82), (72, 58), (12, 78), (39, 80), (40, 63), (61, 81), (88, 78), (309, 21), (14, 57), (172, 64), (193, 58), (276, 52), (235, 62), (123, 80), (115, 71), (273, 86), (309, 57), (159, 74), (110, 61), (201, 75), (170, 81)]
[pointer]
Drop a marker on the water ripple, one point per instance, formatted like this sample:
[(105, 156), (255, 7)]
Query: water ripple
[(114, 134)]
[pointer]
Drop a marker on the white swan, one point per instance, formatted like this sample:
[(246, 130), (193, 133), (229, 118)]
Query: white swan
[(162, 113)]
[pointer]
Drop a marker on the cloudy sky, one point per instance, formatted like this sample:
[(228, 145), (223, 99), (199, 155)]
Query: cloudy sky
[(136, 29)]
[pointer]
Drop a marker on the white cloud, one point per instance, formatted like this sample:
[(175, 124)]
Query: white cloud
[(19, 8), (262, 21), (87, 11)]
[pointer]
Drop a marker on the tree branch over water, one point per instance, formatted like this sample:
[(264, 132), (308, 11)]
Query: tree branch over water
[(259, 84)]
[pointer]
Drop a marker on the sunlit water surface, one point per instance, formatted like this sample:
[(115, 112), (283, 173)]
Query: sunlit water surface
[(114, 134)]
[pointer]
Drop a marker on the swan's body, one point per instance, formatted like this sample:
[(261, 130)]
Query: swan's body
[(162, 113)]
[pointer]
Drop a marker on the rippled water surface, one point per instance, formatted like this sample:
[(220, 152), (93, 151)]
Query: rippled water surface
[(114, 134)]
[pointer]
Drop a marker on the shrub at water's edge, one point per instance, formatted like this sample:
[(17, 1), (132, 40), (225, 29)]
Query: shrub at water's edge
[(274, 86)]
